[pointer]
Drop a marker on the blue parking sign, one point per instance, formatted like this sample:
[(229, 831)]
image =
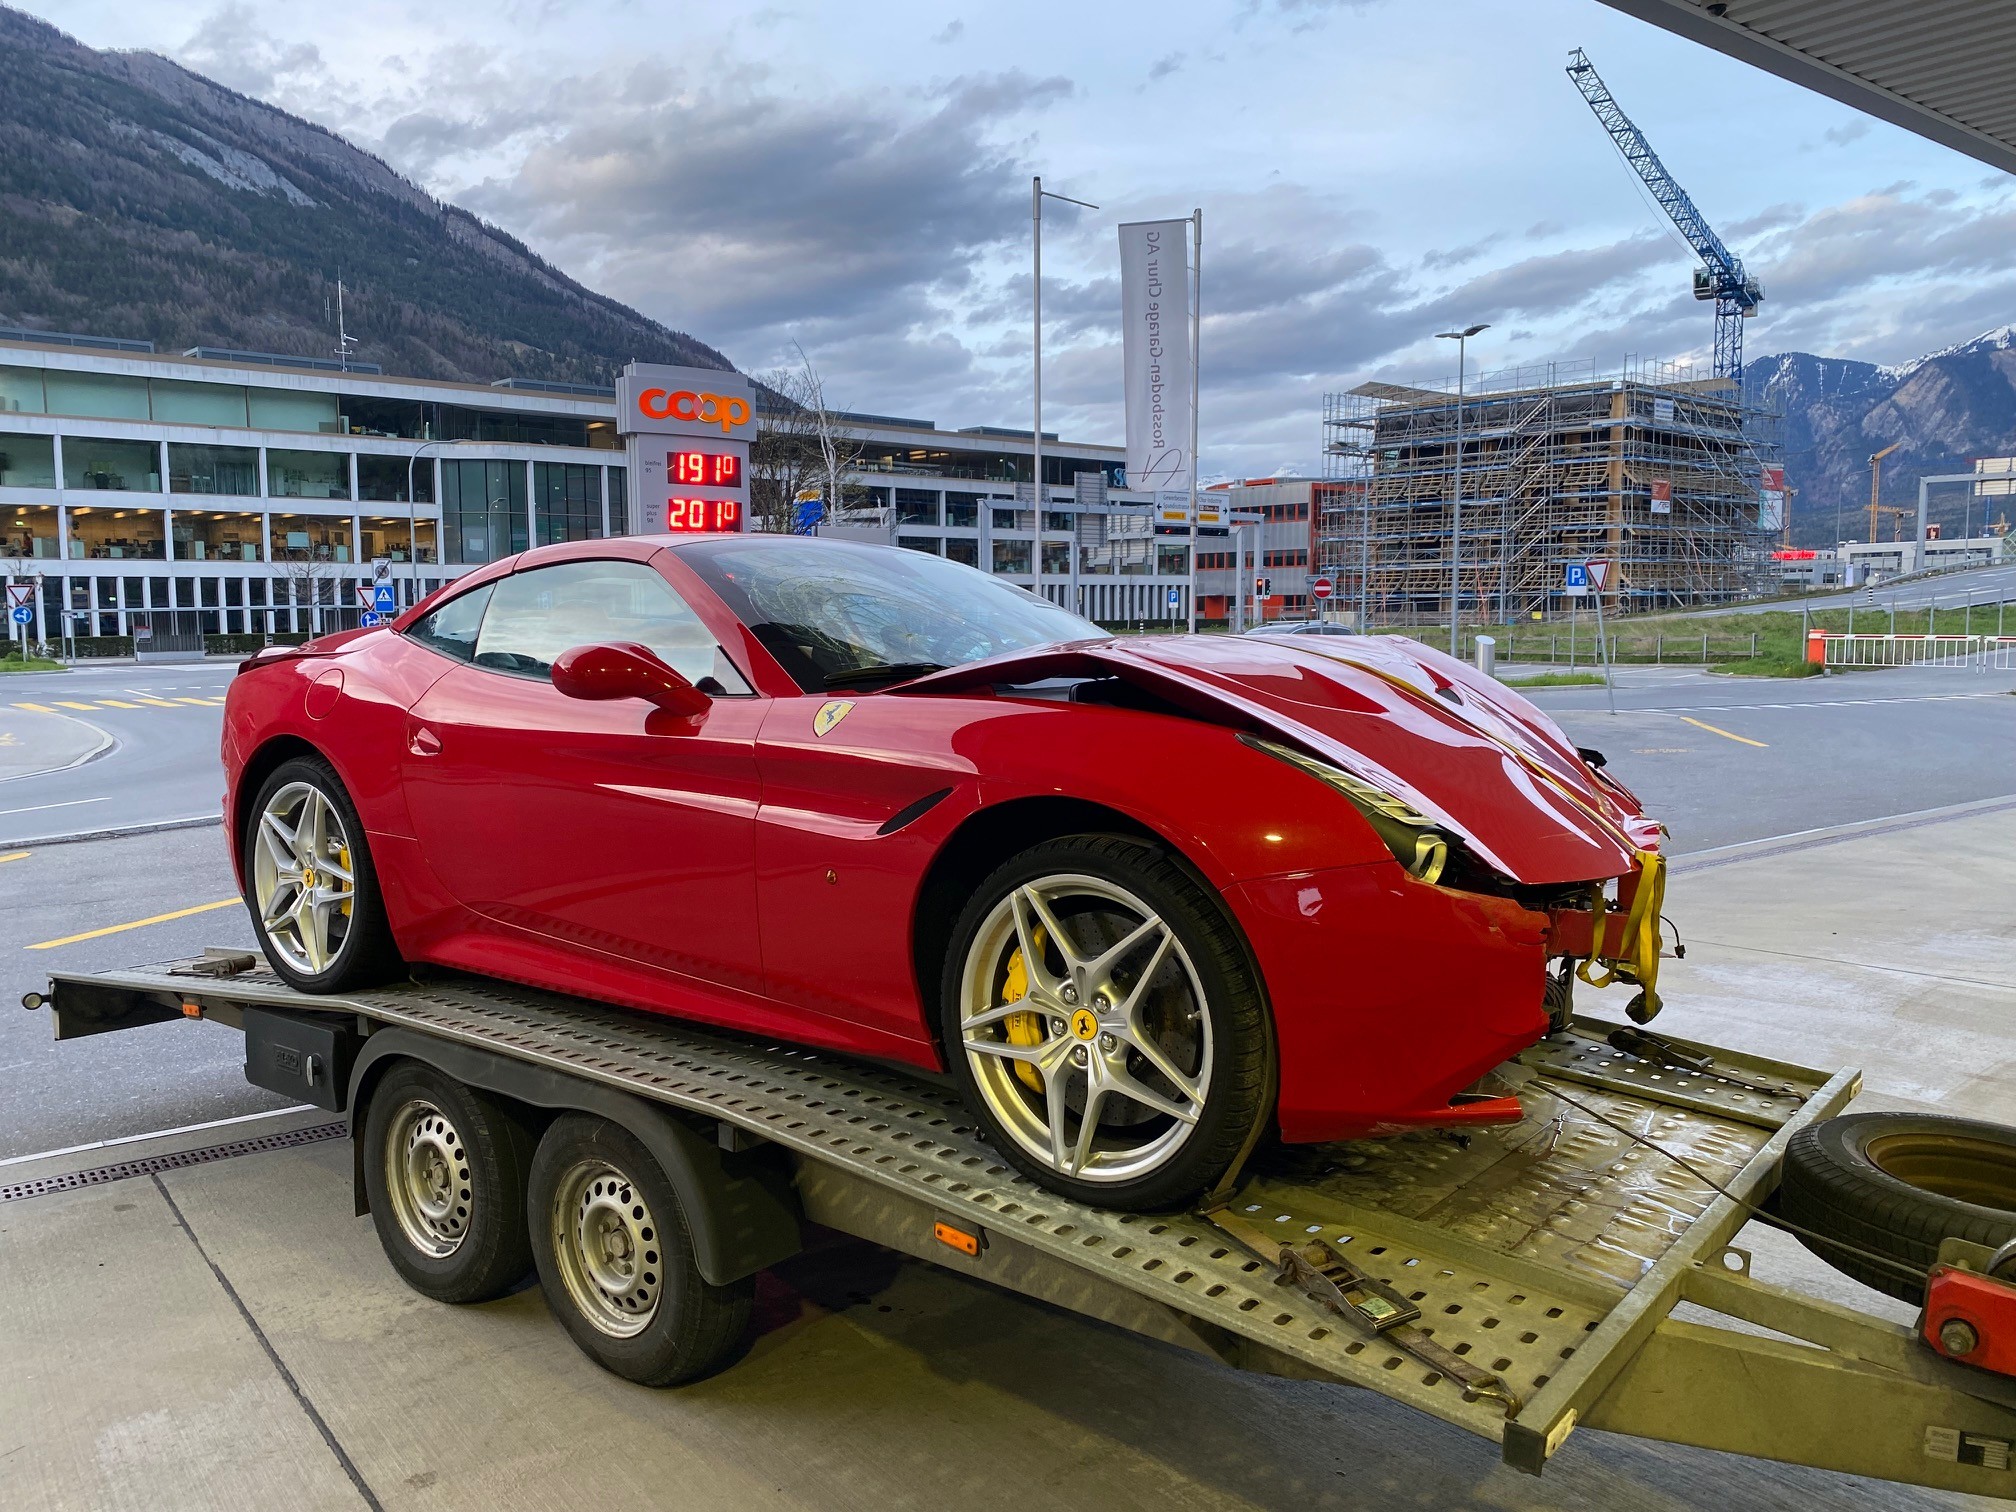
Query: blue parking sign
[(1578, 578), (1175, 598)]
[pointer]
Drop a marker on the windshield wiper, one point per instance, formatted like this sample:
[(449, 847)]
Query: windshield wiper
[(885, 672)]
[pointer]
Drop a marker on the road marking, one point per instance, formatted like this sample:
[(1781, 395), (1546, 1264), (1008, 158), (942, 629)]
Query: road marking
[(113, 703), (1713, 730), (64, 703), (126, 1139), (110, 929), (37, 808), (38, 708), (1833, 703), (206, 702), (159, 703), (15, 856)]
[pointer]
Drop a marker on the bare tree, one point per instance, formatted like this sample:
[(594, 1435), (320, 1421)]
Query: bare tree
[(801, 446), (310, 583)]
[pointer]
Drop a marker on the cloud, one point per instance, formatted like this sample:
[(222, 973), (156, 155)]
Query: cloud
[(1164, 66), (1852, 131), (952, 32), (231, 47)]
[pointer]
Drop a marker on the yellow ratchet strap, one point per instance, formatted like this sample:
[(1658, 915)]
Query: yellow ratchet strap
[(1642, 943)]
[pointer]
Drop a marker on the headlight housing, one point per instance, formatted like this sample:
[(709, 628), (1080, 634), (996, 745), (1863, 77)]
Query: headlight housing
[(1413, 838)]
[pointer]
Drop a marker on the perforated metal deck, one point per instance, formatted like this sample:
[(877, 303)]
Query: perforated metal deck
[(1521, 1245)]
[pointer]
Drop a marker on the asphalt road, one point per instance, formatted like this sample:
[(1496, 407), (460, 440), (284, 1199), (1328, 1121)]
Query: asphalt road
[(1721, 759), (1948, 590), (161, 764)]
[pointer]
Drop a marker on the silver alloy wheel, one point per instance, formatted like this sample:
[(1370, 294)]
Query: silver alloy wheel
[(605, 1246), (1122, 1045), (427, 1179), (303, 877)]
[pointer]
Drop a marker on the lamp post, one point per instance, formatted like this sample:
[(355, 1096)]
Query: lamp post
[(1456, 515), (1038, 194), (413, 515)]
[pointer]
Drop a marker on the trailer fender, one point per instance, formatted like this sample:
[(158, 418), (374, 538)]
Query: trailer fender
[(741, 1207)]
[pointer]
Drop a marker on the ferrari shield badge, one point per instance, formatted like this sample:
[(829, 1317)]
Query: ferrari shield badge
[(830, 714)]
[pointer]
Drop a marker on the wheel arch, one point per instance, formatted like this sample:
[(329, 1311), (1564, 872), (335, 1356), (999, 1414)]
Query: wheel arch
[(267, 758)]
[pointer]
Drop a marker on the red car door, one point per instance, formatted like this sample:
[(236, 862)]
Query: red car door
[(600, 828)]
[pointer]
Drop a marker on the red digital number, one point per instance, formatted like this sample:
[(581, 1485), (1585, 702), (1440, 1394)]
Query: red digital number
[(699, 469), (702, 514)]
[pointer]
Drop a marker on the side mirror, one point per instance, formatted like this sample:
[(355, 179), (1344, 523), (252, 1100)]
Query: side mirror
[(624, 669)]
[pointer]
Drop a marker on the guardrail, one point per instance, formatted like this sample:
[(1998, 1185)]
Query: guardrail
[(1979, 652)]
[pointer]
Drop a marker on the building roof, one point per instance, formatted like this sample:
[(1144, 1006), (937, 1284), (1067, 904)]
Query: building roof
[(1940, 68)]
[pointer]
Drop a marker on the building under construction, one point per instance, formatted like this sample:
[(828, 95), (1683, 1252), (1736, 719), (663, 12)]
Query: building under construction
[(1657, 471)]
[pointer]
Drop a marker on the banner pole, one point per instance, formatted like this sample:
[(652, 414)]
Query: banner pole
[(1196, 337)]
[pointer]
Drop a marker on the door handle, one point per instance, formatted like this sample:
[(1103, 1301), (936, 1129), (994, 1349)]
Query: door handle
[(423, 742)]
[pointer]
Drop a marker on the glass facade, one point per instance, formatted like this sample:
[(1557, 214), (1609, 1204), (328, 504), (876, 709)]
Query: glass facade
[(122, 466), (916, 506), (308, 474), (1012, 557), (300, 538), (104, 534), (568, 500), (28, 530), (482, 510), (394, 535), (619, 507), (27, 461), (231, 471), (382, 480), (962, 510), (217, 535)]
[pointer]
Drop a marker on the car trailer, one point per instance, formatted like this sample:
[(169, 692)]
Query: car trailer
[(1519, 1282)]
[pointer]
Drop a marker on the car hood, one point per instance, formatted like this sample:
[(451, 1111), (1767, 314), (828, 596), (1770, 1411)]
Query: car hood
[(1460, 747)]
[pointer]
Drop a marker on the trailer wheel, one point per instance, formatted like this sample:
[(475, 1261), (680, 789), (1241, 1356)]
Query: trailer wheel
[(445, 1168), (1895, 1185), (1102, 1019), (616, 1259)]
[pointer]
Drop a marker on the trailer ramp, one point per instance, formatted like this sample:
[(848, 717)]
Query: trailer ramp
[(1549, 1253)]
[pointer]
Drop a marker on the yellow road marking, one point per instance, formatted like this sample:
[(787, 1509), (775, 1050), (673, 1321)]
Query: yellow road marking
[(180, 913), (206, 702), (159, 703), (113, 703), (15, 856), (38, 708), (64, 703), (1712, 730)]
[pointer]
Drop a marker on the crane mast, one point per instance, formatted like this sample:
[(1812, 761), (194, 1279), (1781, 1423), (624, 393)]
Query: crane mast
[(1720, 276)]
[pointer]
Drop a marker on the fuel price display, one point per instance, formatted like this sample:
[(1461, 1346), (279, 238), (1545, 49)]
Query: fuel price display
[(703, 469)]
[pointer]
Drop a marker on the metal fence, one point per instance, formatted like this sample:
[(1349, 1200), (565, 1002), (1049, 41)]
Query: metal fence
[(1979, 652)]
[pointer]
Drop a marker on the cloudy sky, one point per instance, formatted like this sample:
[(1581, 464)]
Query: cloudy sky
[(855, 178)]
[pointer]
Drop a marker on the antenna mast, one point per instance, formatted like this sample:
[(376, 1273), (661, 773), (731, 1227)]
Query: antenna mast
[(346, 344)]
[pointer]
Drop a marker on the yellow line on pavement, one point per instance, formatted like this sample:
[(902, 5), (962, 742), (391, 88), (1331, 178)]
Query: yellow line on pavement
[(206, 702), (15, 856), (159, 703), (180, 913), (113, 703), (1713, 730), (38, 708), (64, 703)]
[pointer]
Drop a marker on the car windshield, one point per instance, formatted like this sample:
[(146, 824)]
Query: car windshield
[(830, 611)]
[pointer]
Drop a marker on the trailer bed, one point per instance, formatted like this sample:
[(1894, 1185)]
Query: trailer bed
[(1548, 1252)]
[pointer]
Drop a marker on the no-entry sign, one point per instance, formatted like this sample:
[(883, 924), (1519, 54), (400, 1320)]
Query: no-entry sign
[(1321, 588)]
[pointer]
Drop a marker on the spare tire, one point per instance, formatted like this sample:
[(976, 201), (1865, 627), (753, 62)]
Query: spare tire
[(1895, 1185)]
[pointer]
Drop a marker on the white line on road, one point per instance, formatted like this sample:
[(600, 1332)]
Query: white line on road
[(37, 808), (1819, 703), (195, 1128)]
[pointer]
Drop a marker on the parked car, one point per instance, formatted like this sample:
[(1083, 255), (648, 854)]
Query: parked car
[(1301, 627), (1143, 897)]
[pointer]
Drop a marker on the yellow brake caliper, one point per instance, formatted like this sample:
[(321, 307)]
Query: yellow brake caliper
[(343, 860), (1022, 1028)]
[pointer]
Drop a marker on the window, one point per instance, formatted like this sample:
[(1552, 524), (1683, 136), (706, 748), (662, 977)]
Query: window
[(967, 551), (1014, 519), (217, 535), (179, 403), (21, 391), (452, 628), (28, 530), (1057, 558), (26, 461), (962, 510), (104, 396), (131, 466), (231, 471), (1011, 557), (97, 532), (482, 510), (569, 499), (619, 507), (534, 616), (382, 480), (308, 474), (1287, 559), (1169, 561), (916, 506), (918, 543), (288, 410), (1056, 519), (310, 538)]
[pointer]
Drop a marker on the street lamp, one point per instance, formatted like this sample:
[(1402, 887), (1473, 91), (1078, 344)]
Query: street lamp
[(1456, 515), (1038, 194), (413, 514)]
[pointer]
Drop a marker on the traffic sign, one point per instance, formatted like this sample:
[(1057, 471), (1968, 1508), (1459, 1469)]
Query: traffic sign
[(384, 600), (381, 569), (1577, 580), (20, 595), (1322, 588), (1598, 569), (364, 596), (367, 619), (21, 614), (1175, 598)]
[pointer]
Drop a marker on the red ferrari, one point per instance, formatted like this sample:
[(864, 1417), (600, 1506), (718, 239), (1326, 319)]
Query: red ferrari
[(1144, 897)]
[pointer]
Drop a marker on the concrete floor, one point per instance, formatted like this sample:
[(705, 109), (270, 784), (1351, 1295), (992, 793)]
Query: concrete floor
[(227, 1335)]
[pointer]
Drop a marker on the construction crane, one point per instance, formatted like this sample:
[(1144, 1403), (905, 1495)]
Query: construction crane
[(1720, 276), (1895, 511)]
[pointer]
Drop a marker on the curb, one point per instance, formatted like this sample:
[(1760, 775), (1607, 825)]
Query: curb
[(118, 832), (106, 742), (1685, 862)]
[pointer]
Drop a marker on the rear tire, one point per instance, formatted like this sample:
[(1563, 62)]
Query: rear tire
[(1166, 1038), (445, 1169), (616, 1259), (1896, 1184)]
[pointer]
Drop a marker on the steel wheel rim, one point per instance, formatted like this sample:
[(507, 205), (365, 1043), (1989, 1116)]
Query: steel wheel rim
[(606, 1248), (1122, 1018), (303, 880), (427, 1179)]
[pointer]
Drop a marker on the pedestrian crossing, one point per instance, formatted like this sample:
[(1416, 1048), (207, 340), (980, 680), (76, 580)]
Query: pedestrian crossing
[(134, 701)]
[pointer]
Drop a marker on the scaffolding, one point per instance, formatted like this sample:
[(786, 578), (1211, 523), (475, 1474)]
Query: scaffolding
[(1653, 468)]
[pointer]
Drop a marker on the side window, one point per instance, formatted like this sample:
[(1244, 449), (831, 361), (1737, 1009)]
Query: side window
[(451, 629), (536, 615)]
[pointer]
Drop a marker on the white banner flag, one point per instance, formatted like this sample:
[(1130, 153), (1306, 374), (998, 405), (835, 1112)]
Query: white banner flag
[(1155, 318)]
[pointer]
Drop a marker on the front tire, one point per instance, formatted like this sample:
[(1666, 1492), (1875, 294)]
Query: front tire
[(310, 885), (1104, 1024), (616, 1259)]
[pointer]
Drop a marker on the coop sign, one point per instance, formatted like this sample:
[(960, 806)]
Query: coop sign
[(680, 486)]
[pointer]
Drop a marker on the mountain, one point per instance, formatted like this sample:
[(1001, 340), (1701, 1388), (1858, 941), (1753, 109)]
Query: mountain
[(140, 199), (1943, 410)]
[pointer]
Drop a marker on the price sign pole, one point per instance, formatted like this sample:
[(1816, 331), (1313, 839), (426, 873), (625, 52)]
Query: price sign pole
[(1599, 579)]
